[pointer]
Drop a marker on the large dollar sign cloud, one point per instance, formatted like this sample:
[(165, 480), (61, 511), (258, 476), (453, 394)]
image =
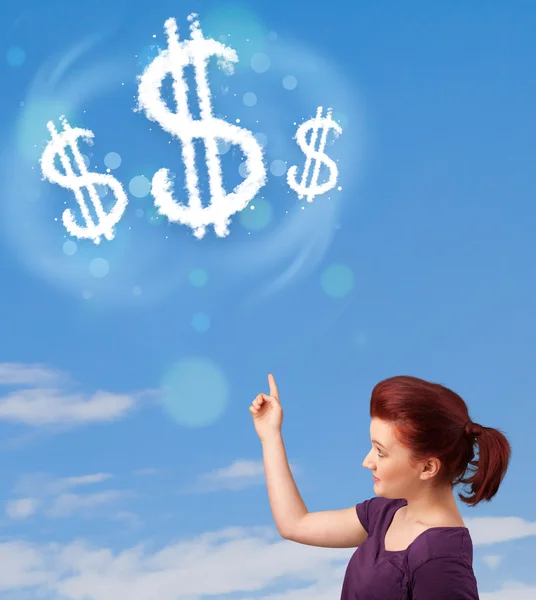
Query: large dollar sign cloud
[(314, 124), (70, 180), (178, 55)]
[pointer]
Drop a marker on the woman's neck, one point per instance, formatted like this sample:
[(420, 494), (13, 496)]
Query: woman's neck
[(432, 506)]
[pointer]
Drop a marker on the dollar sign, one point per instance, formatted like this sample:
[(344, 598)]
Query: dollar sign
[(173, 61), (72, 181), (314, 124)]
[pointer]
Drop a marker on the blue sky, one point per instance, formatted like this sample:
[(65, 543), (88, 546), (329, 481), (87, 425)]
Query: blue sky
[(130, 464)]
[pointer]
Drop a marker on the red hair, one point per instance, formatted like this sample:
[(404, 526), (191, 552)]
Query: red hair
[(431, 420)]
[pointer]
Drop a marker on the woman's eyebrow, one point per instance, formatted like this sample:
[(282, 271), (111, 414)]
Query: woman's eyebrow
[(378, 443)]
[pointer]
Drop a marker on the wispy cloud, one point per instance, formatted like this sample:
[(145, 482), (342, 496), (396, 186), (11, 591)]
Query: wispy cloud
[(490, 530), (67, 504), (70, 482), (55, 498), (21, 508), (492, 561), (22, 374), (511, 590), (45, 398), (148, 471), (45, 485), (130, 518), (238, 475)]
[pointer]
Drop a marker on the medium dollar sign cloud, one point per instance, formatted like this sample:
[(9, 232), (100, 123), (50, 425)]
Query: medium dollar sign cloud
[(314, 124), (173, 61), (70, 180)]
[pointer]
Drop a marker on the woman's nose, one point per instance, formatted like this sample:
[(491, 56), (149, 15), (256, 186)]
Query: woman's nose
[(367, 462)]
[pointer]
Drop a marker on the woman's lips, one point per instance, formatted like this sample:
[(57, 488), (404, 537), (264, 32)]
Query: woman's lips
[(375, 478)]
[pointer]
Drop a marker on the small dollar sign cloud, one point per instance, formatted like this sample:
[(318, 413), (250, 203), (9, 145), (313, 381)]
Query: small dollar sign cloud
[(315, 124), (70, 180), (173, 61)]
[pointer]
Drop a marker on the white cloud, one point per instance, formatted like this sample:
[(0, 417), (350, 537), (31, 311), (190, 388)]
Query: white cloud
[(40, 483), (511, 591), (216, 563), (67, 504), (55, 495), (21, 508), (251, 562), (39, 406), (68, 483), (238, 475), (130, 518), (492, 561), (48, 402), (240, 469), (490, 530), (22, 374)]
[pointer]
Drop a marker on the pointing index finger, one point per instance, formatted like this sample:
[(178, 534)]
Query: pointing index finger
[(273, 386)]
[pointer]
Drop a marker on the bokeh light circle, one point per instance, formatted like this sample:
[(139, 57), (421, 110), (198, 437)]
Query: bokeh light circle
[(337, 281), (31, 127), (69, 248), (260, 62), (223, 146), (198, 277), (290, 82), (240, 27), (257, 215), (249, 99), (112, 160), (99, 267), (139, 186), (278, 167), (201, 322), (195, 392)]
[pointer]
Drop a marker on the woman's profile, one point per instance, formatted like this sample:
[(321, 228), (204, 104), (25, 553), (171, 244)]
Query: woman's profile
[(410, 537)]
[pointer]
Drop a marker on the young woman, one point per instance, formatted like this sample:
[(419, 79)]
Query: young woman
[(411, 540)]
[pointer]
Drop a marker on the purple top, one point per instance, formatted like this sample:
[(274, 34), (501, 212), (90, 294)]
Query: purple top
[(437, 565)]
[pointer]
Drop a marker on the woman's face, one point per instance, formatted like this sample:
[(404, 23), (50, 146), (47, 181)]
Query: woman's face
[(395, 476)]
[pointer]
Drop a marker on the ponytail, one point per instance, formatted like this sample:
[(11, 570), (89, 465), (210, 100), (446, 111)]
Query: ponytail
[(484, 475)]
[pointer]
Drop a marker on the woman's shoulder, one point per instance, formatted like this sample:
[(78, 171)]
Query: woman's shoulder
[(442, 544), (440, 565), (377, 510)]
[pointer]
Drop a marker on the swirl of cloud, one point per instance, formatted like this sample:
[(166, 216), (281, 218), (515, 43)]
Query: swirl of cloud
[(31, 207), (276, 87)]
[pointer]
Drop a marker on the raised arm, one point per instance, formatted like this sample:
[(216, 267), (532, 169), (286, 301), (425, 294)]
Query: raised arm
[(329, 529)]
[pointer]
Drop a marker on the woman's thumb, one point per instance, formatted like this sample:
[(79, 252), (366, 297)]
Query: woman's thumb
[(271, 400)]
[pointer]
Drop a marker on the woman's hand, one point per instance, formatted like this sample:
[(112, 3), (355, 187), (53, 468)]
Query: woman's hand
[(267, 412)]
